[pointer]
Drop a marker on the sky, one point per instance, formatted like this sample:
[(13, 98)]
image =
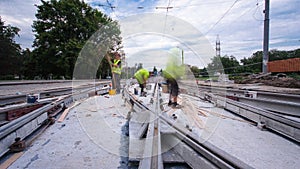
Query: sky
[(238, 23)]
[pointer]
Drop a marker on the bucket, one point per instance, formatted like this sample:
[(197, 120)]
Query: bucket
[(32, 98), (136, 92), (112, 91)]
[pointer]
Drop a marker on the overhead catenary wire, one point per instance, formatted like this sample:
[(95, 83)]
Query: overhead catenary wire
[(228, 10), (166, 18), (110, 5), (237, 18), (258, 5)]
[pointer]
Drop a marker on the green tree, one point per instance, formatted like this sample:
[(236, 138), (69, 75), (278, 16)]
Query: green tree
[(203, 72), (252, 64), (62, 28), (97, 50), (29, 65), (196, 71), (10, 51), (280, 55), (225, 64)]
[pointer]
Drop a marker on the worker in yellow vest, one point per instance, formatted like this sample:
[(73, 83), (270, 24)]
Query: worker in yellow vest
[(116, 72), (173, 72), (142, 76)]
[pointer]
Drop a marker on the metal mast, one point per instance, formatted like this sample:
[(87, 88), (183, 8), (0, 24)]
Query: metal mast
[(266, 37), (218, 46)]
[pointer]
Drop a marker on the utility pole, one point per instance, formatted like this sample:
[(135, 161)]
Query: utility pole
[(182, 57), (218, 46), (266, 37)]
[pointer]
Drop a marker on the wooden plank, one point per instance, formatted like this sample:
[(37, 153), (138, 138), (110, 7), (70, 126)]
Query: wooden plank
[(201, 112), (191, 112), (11, 160), (66, 111)]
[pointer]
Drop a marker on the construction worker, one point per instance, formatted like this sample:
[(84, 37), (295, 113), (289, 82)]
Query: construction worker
[(173, 72), (116, 72), (142, 76)]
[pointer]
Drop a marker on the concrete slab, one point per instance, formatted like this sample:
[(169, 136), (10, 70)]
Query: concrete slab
[(92, 136), (239, 137), (259, 149)]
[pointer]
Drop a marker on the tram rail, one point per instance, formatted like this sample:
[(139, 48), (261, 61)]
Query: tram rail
[(25, 125), (201, 155)]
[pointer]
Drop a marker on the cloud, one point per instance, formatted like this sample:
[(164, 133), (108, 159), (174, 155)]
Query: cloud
[(20, 14), (240, 27)]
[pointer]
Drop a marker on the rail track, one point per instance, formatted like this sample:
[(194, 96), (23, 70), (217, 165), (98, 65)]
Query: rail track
[(184, 149), (275, 111), (22, 98), (282, 103), (21, 121), (193, 153)]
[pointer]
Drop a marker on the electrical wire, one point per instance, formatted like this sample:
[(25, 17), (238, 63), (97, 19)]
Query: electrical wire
[(233, 21), (212, 27), (110, 5), (166, 18), (257, 9)]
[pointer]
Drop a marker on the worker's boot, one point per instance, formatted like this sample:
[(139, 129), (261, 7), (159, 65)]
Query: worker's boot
[(175, 105), (144, 94)]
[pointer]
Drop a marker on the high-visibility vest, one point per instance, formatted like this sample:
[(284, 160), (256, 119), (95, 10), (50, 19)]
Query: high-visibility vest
[(174, 68), (141, 75), (117, 70)]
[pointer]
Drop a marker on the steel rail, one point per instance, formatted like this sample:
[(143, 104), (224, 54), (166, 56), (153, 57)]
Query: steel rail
[(152, 157), (280, 105), (23, 126), (28, 82), (280, 96), (213, 154), (280, 124), (12, 99), (27, 124), (277, 106), (10, 127)]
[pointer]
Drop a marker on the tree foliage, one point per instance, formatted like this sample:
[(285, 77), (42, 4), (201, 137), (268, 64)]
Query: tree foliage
[(223, 64), (10, 51), (252, 64), (196, 71), (280, 55), (62, 28), (100, 47)]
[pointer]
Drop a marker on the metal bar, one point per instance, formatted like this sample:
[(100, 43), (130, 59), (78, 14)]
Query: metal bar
[(260, 94), (266, 37), (208, 151), (189, 155), (287, 108), (280, 124), (215, 155), (152, 157), (12, 126)]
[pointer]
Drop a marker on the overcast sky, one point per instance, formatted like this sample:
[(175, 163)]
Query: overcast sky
[(239, 23)]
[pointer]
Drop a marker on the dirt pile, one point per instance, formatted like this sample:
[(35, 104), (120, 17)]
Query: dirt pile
[(277, 81)]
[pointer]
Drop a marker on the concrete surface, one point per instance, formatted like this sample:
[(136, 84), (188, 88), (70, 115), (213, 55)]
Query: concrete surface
[(92, 136)]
